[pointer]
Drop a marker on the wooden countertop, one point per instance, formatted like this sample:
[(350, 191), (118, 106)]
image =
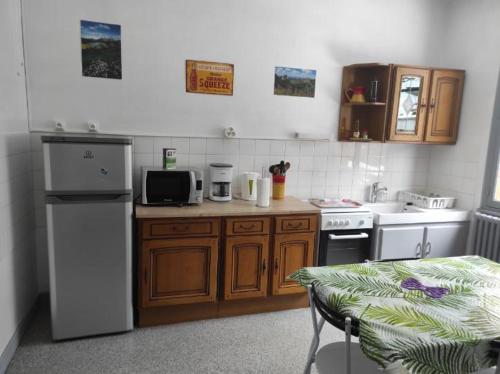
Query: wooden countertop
[(290, 205)]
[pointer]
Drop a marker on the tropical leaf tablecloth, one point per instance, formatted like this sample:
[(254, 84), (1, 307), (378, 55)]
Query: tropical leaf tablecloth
[(426, 335)]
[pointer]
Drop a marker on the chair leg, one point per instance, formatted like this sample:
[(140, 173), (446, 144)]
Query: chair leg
[(348, 345), (317, 327)]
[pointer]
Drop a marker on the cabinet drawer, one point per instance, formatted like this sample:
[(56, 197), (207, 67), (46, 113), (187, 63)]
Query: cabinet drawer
[(247, 225), (180, 227), (288, 224)]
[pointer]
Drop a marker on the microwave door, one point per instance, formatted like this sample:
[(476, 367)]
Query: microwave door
[(168, 187)]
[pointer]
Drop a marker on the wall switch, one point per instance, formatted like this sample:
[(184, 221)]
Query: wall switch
[(93, 126), (59, 125)]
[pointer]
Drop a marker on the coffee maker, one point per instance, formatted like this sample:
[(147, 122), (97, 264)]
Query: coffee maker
[(221, 177)]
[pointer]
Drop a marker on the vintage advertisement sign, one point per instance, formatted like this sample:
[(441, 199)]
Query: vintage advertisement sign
[(209, 77)]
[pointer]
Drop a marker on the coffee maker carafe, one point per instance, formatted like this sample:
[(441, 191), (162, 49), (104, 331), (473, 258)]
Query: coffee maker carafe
[(221, 177)]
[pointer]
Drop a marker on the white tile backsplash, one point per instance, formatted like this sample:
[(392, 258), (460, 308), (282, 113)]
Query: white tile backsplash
[(330, 168), (181, 145), (262, 147), (197, 146)]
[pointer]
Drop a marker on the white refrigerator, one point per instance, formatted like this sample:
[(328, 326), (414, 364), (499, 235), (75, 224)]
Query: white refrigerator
[(88, 196)]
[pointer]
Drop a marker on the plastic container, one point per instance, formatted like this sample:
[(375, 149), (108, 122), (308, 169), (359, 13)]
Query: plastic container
[(427, 200), (278, 187)]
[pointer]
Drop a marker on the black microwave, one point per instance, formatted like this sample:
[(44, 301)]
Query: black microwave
[(171, 187)]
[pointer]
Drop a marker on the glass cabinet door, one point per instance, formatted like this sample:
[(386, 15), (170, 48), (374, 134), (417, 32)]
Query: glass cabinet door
[(409, 108)]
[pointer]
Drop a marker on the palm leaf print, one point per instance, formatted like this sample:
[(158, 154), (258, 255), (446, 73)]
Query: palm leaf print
[(397, 270), (456, 275), (363, 285), (413, 318), (372, 344), (343, 303), (423, 357), (484, 319), (362, 269), (458, 297)]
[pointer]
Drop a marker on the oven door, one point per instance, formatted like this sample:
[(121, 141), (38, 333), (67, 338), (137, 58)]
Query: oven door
[(166, 186), (337, 247)]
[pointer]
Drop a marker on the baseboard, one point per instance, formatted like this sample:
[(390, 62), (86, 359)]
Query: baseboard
[(10, 349)]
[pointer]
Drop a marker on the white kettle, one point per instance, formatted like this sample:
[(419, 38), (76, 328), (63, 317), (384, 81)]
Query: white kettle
[(249, 185)]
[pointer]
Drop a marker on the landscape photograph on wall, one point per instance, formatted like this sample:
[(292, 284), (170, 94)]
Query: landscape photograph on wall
[(294, 82), (101, 50)]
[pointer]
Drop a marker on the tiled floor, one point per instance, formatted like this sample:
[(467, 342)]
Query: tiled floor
[(262, 343)]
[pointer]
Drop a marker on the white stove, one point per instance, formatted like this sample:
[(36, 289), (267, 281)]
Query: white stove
[(345, 231), (344, 217)]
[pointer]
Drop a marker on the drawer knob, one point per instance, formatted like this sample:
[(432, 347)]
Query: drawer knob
[(249, 227)]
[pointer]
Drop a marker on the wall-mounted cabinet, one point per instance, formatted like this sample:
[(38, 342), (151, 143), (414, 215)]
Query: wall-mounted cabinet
[(369, 115), (421, 105)]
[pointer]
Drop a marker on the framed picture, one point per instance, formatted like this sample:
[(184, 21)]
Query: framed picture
[(294, 82), (209, 77), (101, 50)]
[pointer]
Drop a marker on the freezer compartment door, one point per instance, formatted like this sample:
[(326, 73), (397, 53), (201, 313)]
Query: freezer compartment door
[(90, 253), (87, 167)]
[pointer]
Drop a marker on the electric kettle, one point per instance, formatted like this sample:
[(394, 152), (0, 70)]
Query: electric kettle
[(249, 185)]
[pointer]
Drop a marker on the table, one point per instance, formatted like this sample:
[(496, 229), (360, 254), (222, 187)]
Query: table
[(402, 316)]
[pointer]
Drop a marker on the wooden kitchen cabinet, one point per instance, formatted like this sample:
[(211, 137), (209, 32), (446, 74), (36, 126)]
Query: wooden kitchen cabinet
[(409, 104), (246, 264), (291, 252), (417, 104), (201, 262), (179, 271), (425, 105), (444, 106)]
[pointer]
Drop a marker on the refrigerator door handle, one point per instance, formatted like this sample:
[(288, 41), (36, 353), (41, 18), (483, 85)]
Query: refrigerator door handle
[(98, 198)]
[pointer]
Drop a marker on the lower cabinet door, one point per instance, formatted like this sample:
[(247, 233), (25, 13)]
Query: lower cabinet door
[(400, 242), (445, 240), (291, 252), (246, 263), (179, 271)]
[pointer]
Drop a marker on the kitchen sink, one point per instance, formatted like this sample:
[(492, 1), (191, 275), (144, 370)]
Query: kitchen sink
[(393, 207), (397, 213)]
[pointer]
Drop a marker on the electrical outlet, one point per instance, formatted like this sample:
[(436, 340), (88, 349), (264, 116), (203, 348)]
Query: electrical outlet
[(59, 125), (93, 126)]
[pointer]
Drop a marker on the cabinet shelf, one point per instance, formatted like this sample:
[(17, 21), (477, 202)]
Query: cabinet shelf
[(371, 116), (381, 104)]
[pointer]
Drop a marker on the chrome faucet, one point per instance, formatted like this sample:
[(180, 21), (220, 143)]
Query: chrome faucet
[(374, 191)]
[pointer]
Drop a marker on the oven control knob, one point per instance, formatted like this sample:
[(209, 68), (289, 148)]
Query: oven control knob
[(330, 223), (341, 222), (336, 222), (347, 222), (362, 222)]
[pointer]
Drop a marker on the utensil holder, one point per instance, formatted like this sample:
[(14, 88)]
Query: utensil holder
[(278, 187)]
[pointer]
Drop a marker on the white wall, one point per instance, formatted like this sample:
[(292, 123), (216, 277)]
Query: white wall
[(18, 288), (159, 35), (472, 41)]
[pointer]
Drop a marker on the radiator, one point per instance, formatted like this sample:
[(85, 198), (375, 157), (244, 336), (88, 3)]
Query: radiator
[(486, 241)]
